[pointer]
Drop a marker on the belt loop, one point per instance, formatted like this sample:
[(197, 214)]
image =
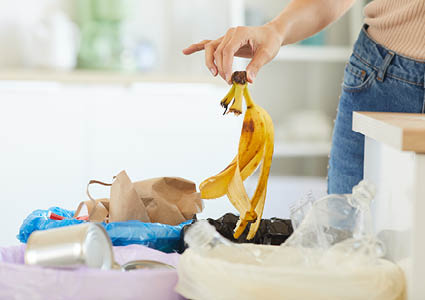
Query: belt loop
[(383, 69)]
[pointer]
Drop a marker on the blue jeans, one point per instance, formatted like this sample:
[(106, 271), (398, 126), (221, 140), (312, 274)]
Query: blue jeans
[(375, 79)]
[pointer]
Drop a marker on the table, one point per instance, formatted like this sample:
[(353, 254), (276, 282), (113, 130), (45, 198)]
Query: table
[(395, 162)]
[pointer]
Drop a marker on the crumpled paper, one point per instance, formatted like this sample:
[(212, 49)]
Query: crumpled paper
[(166, 200)]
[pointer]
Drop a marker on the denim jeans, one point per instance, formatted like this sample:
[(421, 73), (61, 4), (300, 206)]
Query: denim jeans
[(375, 79)]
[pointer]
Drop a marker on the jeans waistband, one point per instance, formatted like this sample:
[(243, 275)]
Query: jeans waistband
[(387, 62)]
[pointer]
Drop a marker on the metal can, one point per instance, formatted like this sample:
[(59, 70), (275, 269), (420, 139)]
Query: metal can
[(86, 244)]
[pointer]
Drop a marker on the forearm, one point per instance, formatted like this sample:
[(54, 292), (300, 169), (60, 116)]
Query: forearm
[(303, 18)]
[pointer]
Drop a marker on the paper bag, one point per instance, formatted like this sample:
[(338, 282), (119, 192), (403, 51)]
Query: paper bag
[(97, 210), (124, 203), (169, 200), (166, 200)]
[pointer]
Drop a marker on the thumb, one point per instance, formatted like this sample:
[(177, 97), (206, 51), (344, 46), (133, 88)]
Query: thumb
[(261, 57)]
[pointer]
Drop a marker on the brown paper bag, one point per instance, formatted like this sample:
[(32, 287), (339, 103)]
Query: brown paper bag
[(166, 200), (169, 200), (98, 210), (125, 204)]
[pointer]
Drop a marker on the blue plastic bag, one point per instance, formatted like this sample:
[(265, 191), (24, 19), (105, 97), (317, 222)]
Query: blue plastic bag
[(158, 236)]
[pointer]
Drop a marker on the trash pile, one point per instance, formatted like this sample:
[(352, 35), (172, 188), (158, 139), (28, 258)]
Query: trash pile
[(331, 255), (151, 212)]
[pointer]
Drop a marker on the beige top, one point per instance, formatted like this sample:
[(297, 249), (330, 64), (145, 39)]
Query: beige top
[(399, 25), (403, 131)]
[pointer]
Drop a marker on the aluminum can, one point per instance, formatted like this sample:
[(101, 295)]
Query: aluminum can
[(86, 244)]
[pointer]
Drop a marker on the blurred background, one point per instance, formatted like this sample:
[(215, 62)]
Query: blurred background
[(92, 87)]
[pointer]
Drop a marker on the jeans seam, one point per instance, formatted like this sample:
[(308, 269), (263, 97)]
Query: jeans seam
[(353, 73), (366, 84), (404, 80), (423, 105), (353, 70), (388, 74)]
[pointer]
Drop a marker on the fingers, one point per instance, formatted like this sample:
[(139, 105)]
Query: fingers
[(218, 54), (209, 57), (209, 47), (239, 39), (261, 57), (195, 47)]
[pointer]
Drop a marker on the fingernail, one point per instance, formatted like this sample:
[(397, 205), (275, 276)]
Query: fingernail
[(228, 78), (212, 70), (251, 75)]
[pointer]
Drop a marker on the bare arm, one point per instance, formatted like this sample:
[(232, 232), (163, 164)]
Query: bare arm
[(303, 18), (299, 20)]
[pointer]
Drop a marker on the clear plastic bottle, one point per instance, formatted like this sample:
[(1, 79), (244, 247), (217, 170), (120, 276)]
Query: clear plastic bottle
[(335, 218)]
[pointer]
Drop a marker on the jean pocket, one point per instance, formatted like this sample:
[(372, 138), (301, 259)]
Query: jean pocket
[(357, 77)]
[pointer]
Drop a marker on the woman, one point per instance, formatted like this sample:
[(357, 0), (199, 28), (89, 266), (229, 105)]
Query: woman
[(385, 72)]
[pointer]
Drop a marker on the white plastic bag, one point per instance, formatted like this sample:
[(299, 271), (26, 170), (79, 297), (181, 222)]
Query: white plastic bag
[(328, 257)]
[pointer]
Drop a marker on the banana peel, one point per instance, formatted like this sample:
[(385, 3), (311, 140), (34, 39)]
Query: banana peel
[(256, 146)]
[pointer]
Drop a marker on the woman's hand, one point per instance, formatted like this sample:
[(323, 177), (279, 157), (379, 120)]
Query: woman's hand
[(297, 21), (259, 43)]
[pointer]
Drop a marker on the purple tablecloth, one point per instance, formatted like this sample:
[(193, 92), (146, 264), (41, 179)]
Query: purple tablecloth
[(19, 281)]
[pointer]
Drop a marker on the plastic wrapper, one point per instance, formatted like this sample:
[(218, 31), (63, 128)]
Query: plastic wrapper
[(272, 231), (19, 281), (332, 255), (158, 236), (299, 209)]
